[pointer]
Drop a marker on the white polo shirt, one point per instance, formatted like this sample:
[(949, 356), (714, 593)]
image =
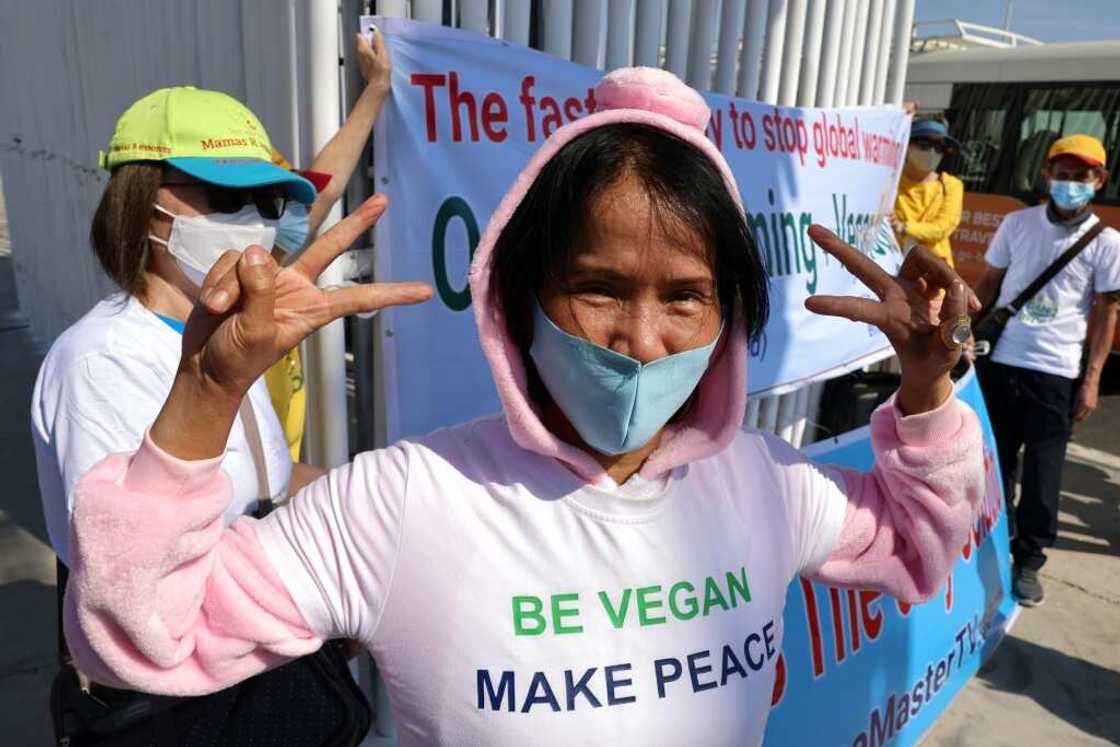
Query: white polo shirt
[(1048, 333)]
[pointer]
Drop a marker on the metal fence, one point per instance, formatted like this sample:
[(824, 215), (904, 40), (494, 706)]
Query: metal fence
[(78, 69), (787, 52), (70, 69)]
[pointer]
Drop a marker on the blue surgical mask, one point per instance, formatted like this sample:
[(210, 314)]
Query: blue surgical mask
[(615, 403), (293, 227), (1072, 195)]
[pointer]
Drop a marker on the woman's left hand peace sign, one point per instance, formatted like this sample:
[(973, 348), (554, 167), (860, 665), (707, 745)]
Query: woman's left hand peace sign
[(910, 310)]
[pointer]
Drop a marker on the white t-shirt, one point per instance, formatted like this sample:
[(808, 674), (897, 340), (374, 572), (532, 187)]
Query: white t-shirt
[(100, 387), (1048, 332), (554, 611)]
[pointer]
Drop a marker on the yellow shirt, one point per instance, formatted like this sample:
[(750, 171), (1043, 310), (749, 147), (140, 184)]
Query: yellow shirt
[(289, 398), (931, 212)]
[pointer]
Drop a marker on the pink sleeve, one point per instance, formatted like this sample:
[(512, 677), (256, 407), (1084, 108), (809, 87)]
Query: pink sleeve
[(161, 596), (907, 519)]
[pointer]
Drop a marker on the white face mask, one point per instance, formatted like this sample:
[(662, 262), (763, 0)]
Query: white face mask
[(198, 241), (923, 160)]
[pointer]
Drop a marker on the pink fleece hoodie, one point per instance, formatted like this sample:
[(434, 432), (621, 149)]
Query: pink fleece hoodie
[(420, 549)]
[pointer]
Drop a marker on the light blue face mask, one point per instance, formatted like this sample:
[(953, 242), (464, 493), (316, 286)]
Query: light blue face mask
[(293, 227), (615, 403), (1072, 195)]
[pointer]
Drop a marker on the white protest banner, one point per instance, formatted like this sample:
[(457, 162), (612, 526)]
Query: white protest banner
[(465, 115)]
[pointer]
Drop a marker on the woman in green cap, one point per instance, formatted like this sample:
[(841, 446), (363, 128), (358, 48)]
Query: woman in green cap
[(191, 176)]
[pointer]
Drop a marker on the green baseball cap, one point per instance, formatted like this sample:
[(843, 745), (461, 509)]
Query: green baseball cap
[(207, 134)]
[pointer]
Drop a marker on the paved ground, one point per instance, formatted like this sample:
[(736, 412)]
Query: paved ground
[(27, 596), (1055, 680)]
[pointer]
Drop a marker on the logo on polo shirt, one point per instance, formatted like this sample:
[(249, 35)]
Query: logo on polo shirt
[(1039, 310)]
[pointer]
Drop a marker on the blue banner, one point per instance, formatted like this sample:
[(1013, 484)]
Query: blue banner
[(465, 115), (862, 669)]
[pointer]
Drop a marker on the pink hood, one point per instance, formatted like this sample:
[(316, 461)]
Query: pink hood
[(659, 99)]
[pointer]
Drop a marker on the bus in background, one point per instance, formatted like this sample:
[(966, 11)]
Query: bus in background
[(1007, 106), (1007, 103)]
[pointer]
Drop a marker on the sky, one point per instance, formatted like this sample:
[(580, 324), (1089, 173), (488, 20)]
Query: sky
[(1046, 20)]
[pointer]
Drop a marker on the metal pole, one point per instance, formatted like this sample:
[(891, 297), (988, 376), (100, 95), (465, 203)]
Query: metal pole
[(768, 414), (844, 68), (293, 72), (394, 8), (800, 415), (384, 725), (784, 426), (813, 409), (791, 57), (811, 57), (884, 62), (422, 10), (620, 33), (808, 88), (900, 52), (677, 40), (705, 19), (787, 404), (754, 40), (515, 22), (751, 419), (328, 441), (556, 28), (475, 15), (871, 53), (648, 18), (772, 54), (859, 39), (588, 38), (730, 32), (359, 332), (830, 52), (498, 14)]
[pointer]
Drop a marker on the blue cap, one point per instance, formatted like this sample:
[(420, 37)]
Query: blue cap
[(933, 128), (245, 173)]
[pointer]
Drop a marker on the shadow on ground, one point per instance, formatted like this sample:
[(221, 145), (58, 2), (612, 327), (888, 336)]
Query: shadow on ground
[(1094, 508), (27, 647), (1046, 676), (28, 630)]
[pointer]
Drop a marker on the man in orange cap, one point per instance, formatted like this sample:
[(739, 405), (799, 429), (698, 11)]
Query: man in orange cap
[(1030, 381)]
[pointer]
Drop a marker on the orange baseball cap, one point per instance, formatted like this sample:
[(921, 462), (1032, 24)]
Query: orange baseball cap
[(1082, 147)]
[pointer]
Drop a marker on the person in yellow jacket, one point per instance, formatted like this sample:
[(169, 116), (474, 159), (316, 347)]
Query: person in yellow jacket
[(928, 207), (329, 172)]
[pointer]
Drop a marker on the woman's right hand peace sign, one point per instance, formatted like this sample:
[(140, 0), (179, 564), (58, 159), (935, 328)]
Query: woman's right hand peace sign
[(250, 313)]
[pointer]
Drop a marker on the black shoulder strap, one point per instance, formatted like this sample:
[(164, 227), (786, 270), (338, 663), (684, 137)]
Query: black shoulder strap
[(62, 574), (1056, 266)]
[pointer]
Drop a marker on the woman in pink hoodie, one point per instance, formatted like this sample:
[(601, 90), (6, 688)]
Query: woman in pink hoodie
[(607, 560)]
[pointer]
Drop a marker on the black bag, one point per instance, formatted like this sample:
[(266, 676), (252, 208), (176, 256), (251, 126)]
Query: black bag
[(312, 700), (992, 323)]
